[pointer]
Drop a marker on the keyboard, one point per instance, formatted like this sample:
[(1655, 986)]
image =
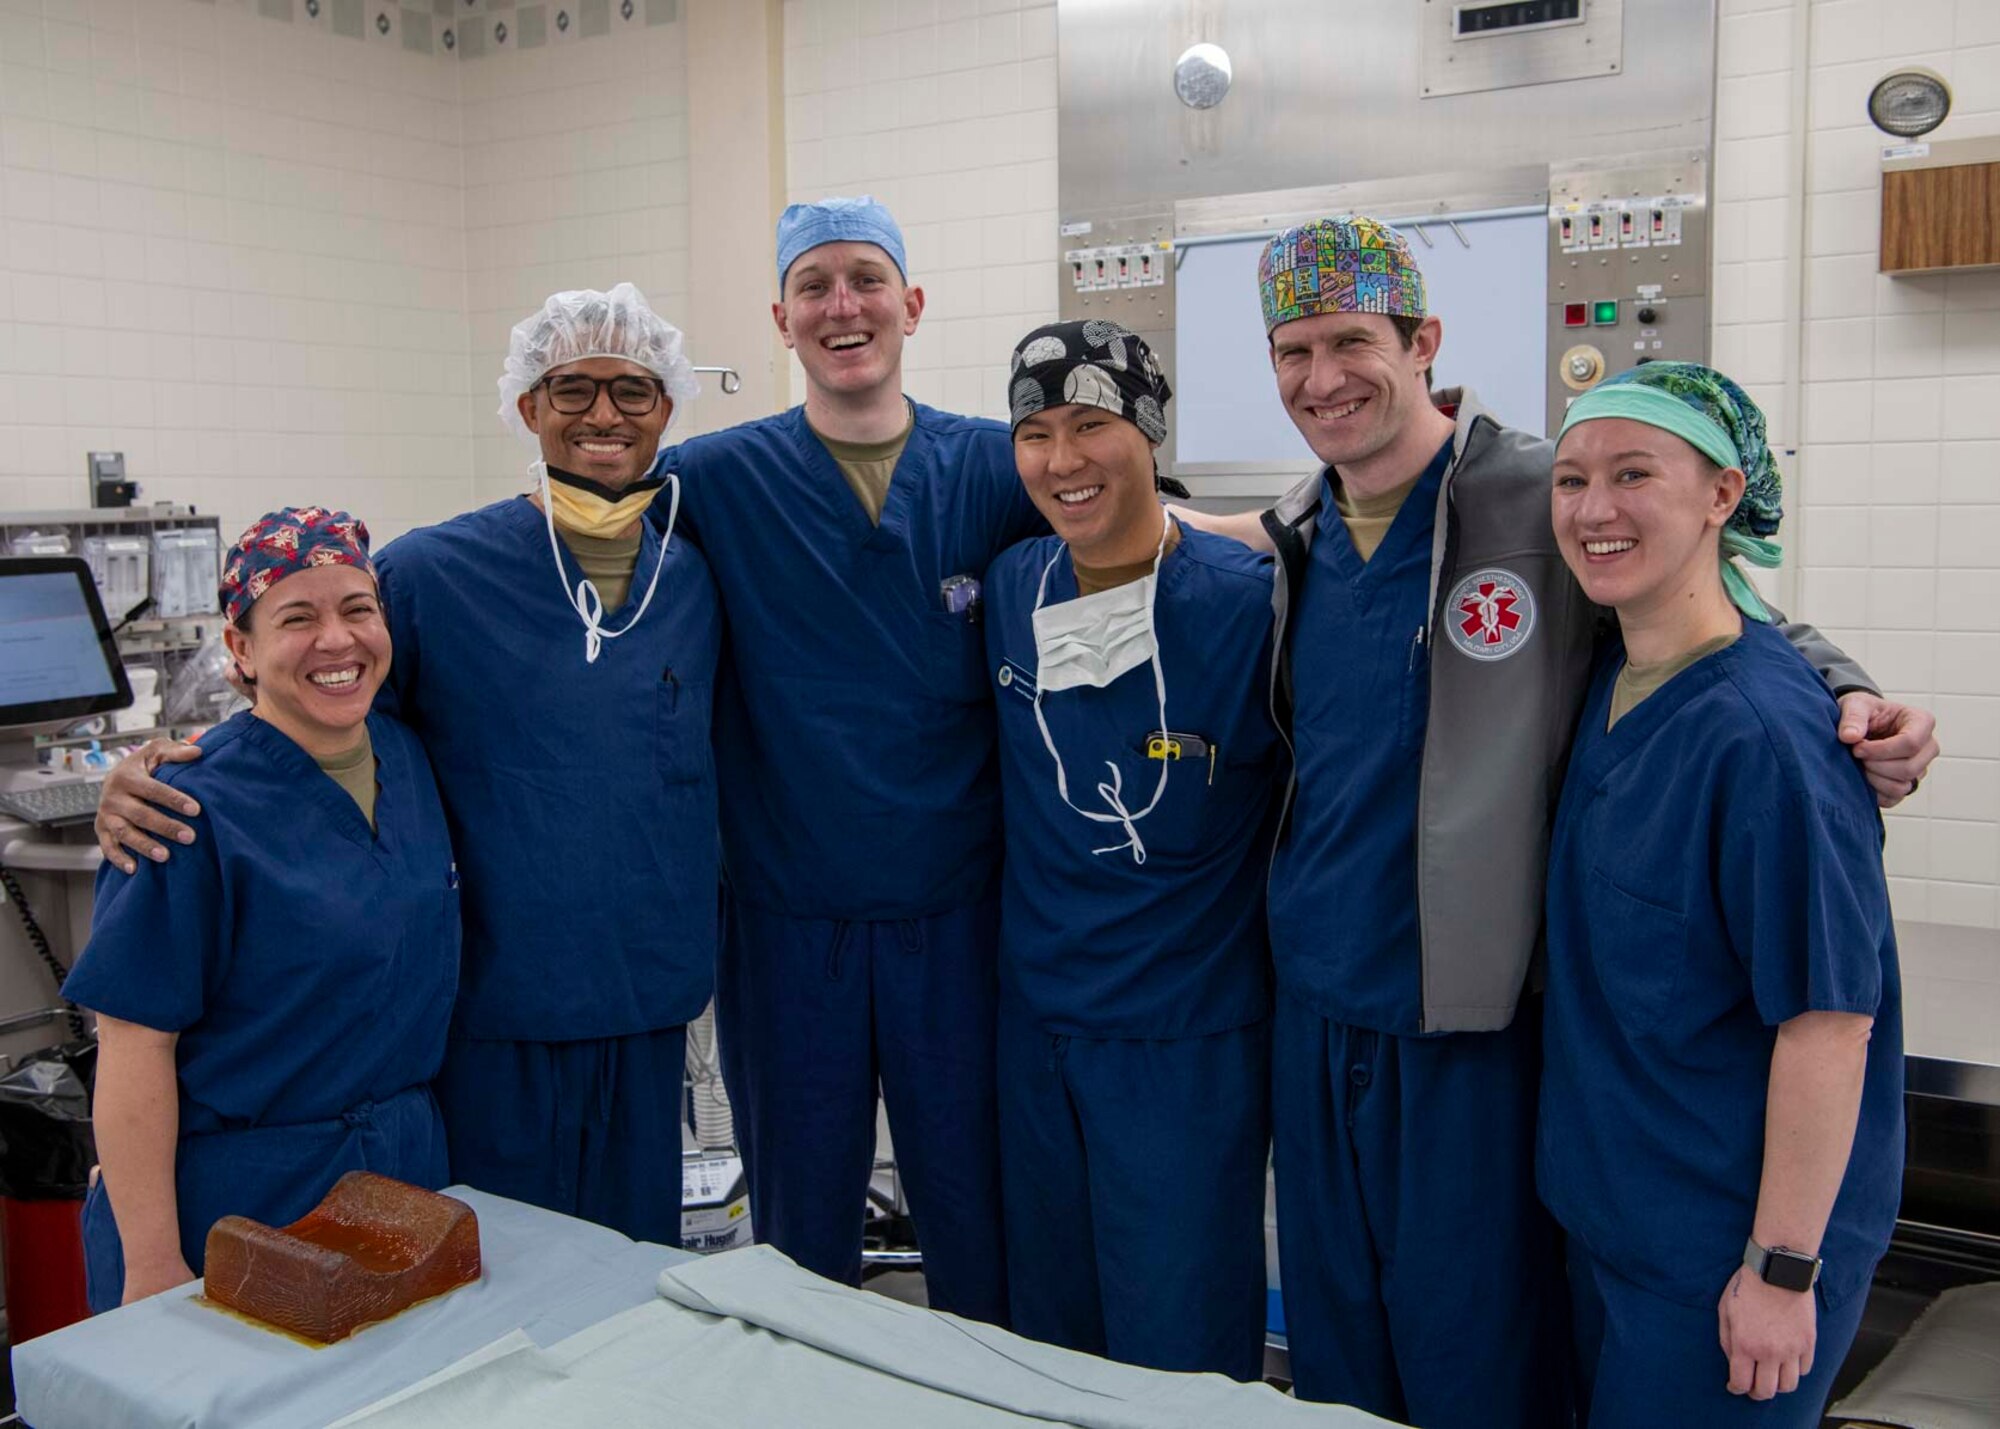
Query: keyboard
[(74, 802)]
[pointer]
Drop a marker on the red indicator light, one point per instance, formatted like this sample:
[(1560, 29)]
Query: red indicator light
[(1576, 315)]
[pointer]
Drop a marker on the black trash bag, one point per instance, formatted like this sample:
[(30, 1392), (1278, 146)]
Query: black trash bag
[(46, 1149)]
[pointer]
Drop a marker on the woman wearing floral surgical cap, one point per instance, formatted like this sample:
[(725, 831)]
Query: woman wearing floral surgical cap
[(272, 1003), (1721, 1112)]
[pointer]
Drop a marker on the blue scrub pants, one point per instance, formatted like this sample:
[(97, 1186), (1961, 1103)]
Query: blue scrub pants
[(272, 1174), (590, 1128), (1643, 1361), (811, 1016), (1134, 1176), (1422, 1278)]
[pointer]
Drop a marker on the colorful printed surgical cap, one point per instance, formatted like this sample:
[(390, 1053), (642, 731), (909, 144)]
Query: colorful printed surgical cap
[(1709, 412), (1354, 264), (284, 543), (1095, 363)]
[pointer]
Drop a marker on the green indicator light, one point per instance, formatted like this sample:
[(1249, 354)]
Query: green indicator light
[(1604, 314)]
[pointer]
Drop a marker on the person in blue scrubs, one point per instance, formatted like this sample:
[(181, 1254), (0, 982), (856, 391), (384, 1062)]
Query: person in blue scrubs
[(1130, 661), (1721, 1112), (1434, 655), (860, 786), (272, 1005), (557, 653)]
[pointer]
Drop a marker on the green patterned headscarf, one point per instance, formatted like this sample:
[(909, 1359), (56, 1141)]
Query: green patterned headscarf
[(1713, 415)]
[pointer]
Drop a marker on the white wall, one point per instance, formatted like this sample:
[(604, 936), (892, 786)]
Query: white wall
[(576, 176), (946, 111), (231, 248), (1894, 495)]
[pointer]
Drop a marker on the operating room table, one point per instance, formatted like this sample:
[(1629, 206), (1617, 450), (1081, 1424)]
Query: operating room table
[(572, 1324)]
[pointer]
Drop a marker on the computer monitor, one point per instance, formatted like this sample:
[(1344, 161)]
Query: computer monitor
[(58, 659)]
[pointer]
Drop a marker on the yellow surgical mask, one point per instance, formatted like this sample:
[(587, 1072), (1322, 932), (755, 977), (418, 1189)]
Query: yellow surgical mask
[(581, 506)]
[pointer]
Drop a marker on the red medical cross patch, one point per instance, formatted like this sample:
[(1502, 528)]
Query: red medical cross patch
[(1491, 614)]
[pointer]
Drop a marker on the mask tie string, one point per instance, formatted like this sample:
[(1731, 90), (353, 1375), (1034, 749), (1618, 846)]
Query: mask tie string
[(585, 599), (1112, 791)]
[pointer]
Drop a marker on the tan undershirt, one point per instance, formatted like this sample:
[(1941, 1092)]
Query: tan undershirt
[(607, 562), (1636, 682), (869, 465), (1092, 579), (1369, 518), (354, 771)]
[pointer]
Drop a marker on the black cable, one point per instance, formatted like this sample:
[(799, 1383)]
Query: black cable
[(133, 614), (40, 942)]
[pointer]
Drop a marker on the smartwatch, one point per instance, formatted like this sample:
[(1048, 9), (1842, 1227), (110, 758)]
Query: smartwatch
[(1787, 1269)]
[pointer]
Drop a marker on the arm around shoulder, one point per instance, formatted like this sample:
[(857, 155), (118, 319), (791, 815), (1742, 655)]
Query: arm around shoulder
[(1244, 526), (134, 807), (1895, 742)]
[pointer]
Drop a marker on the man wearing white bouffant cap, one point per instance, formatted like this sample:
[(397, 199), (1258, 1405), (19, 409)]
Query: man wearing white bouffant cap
[(556, 653)]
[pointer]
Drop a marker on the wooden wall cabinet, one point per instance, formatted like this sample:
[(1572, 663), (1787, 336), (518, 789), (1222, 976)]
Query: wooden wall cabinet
[(1941, 209)]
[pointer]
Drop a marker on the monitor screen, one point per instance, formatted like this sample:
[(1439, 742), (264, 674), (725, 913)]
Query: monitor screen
[(58, 660)]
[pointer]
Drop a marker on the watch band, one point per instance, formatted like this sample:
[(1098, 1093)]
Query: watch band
[(1784, 1268)]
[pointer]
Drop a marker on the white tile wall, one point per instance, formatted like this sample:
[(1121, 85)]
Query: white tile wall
[(946, 111), (234, 250), (576, 176), (1895, 492)]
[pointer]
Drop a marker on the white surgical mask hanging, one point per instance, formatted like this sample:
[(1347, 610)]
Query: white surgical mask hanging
[(1092, 640), (585, 600)]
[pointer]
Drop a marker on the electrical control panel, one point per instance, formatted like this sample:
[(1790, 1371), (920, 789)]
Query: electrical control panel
[(1123, 265), (1628, 270)]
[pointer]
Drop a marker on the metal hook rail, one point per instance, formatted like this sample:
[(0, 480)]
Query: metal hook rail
[(731, 382)]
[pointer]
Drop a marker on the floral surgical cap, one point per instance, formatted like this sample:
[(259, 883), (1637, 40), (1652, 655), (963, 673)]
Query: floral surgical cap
[(283, 543)]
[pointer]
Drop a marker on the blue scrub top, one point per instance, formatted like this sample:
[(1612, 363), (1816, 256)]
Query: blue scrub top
[(1344, 882), (581, 796), (307, 963), (1716, 870), (1096, 945), (854, 731)]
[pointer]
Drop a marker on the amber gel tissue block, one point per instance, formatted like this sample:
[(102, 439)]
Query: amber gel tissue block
[(372, 1248)]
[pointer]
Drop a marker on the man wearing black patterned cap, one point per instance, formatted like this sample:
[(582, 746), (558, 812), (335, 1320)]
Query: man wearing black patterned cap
[(1139, 765)]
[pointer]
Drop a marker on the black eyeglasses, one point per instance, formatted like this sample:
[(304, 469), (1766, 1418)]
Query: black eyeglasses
[(574, 394)]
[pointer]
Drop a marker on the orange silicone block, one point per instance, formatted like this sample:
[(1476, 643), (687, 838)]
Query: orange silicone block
[(371, 1248)]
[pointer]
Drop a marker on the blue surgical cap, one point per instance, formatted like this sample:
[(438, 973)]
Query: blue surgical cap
[(837, 220)]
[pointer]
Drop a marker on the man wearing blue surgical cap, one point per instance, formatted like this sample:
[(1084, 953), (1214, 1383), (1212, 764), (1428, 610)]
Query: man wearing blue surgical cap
[(856, 754)]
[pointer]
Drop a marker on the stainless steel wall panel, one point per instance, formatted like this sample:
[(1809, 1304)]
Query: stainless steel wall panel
[(1330, 92)]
